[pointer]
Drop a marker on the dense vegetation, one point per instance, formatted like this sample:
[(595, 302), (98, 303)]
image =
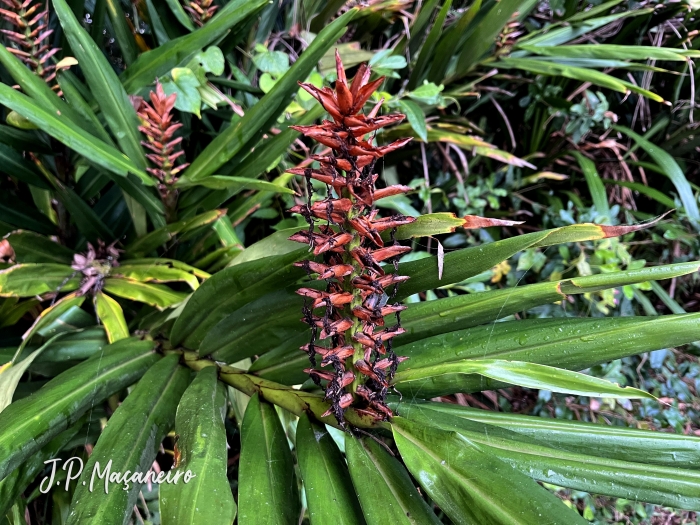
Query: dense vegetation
[(498, 319)]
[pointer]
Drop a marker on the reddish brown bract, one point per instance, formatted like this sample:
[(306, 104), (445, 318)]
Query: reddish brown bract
[(346, 236), (29, 39)]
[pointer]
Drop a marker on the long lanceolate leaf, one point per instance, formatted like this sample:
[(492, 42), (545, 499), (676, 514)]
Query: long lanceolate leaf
[(575, 345), (325, 476), (233, 139), (529, 375), (130, 442), (104, 83), (384, 488), (468, 262), (75, 138), (28, 424), (672, 170), (269, 492), (201, 444), (544, 460), (472, 486), (614, 442), (229, 290)]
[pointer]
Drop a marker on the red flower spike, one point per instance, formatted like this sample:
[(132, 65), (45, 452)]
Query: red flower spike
[(344, 232)]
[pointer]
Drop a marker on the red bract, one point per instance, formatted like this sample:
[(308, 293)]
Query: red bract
[(29, 39), (345, 233)]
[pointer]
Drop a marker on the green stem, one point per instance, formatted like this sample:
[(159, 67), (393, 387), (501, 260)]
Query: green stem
[(295, 401)]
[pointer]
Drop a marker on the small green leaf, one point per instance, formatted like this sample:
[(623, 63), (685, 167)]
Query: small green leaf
[(416, 117), (186, 86), (112, 317)]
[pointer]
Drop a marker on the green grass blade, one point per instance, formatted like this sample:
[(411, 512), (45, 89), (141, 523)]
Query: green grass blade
[(671, 169), (595, 184)]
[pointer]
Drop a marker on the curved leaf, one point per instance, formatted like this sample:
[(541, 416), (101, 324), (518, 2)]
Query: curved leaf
[(153, 294), (528, 375), (329, 491), (472, 486), (269, 493), (129, 443), (230, 289), (383, 486), (30, 423), (199, 425), (112, 317)]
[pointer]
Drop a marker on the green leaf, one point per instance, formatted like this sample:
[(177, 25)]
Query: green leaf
[(75, 138), (614, 442), (112, 317), (429, 318), (575, 344), (472, 486), (180, 14), (185, 85), (269, 493), (426, 52), (28, 280), (232, 140), (122, 31), (468, 262), (228, 290), (528, 375), (588, 472), (73, 95), (155, 272), (129, 442), (650, 192), (546, 67), (36, 88), (199, 425), (220, 182), (595, 184), (153, 294), (430, 224), (30, 247), (416, 117), (384, 488), (556, 36), (326, 478), (452, 41), (484, 36), (12, 487), (256, 327), (610, 51), (11, 373), (179, 51), (14, 164), (156, 238), (118, 111), (670, 168), (30, 423)]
